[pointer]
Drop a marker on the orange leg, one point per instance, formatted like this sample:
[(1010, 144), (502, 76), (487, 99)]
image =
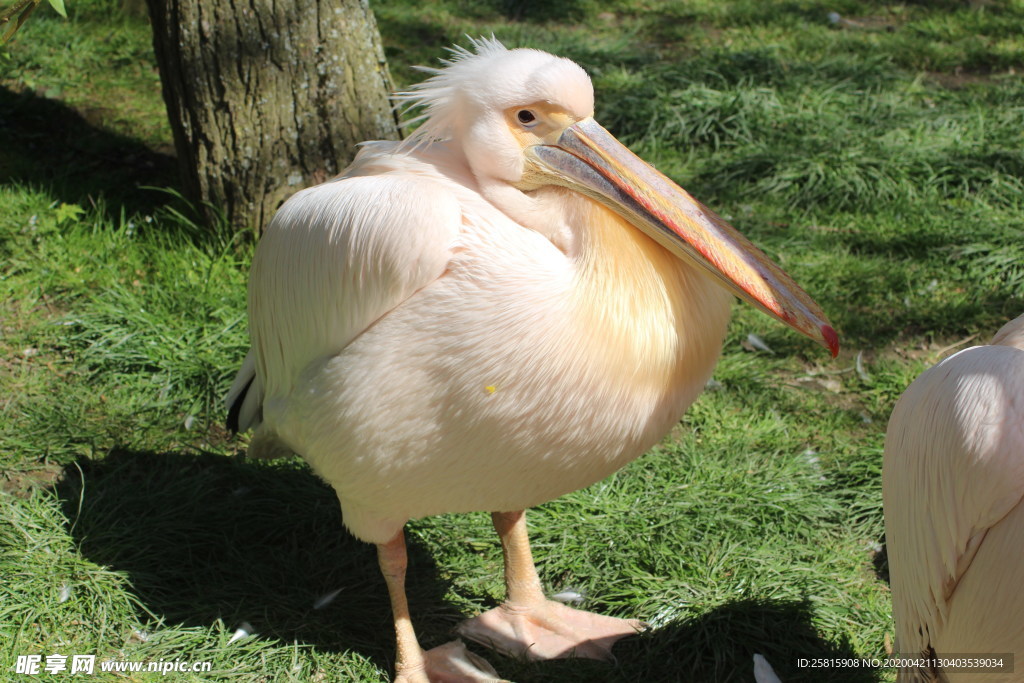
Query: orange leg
[(522, 585), (409, 661), (449, 663), (528, 624)]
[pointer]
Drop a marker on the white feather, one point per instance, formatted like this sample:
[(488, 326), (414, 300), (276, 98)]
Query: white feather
[(763, 671)]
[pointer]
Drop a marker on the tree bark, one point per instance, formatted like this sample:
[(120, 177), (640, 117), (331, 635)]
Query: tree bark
[(266, 97)]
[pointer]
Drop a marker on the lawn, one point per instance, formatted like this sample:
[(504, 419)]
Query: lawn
[(879, 158)]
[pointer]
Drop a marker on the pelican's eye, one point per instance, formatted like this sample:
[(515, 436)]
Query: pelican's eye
[(526, 117)]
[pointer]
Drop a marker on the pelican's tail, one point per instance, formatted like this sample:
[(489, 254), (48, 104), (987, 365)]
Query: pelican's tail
[(245, 398)]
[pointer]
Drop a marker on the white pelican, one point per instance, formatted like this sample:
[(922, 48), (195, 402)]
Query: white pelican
[(504, 308), (953, 485)]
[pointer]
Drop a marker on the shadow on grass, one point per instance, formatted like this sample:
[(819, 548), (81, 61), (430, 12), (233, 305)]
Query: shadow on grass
[(51, 145), (717, 647), (207, 537)]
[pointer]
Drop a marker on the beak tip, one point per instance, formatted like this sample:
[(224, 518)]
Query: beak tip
[(831, 339)]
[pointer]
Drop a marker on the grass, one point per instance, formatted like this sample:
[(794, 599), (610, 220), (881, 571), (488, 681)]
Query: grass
[(880, 162)]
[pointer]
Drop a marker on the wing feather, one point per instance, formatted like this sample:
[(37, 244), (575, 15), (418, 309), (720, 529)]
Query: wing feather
[(336, 258)]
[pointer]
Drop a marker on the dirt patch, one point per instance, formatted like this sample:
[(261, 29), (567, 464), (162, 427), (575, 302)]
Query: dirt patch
[(22, 483), (960, 78), (871, 23)]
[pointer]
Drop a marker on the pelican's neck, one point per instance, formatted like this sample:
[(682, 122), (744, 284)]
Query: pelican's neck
[(542, 211)]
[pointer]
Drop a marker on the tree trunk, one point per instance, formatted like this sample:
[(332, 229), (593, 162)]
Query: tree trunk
[(266, 97)]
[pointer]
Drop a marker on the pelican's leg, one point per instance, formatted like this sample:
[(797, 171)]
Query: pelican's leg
[(448, 663), (528, 623)]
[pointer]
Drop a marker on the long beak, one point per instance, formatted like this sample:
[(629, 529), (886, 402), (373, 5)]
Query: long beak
[(588, 159)]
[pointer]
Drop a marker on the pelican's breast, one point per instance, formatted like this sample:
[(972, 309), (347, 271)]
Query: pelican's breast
[(653, 323)]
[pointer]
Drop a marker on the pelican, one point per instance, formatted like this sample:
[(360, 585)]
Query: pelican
[(952, 488), (505, 307)]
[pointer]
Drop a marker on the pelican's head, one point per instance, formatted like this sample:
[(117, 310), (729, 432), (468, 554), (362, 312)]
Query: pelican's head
[(497, 103), (525, 118)]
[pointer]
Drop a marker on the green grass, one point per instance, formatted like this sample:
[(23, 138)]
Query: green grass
[(881, 164)]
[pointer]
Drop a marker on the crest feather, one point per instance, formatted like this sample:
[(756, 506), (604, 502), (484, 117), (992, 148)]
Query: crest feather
[(436, 95)]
